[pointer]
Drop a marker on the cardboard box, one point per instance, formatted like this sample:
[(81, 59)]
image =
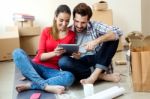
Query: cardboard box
[(102, 5), (26, 23), (29, 44), (29, 31), (8, 42), (104, 16)]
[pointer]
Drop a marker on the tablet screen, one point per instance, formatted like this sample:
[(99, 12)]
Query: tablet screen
[(70, 48)]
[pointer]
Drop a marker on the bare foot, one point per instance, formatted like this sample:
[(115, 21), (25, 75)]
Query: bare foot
[(115, 77), (23, 87), (23, 78), (87, 81), (57, 89)]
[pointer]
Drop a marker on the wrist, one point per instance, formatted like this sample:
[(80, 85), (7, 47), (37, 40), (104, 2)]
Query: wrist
[(97, 41), (54, 53)]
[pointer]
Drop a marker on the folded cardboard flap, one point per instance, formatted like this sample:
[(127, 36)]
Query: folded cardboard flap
[(147, 40), (140, 44)]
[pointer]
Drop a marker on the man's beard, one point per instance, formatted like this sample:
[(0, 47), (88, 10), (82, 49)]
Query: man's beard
[(80, 29)]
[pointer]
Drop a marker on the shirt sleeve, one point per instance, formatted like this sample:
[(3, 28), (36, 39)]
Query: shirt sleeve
[(102, 28)]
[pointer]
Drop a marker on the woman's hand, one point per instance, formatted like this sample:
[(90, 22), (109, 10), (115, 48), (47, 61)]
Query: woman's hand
[(76, 55), (59, 51)]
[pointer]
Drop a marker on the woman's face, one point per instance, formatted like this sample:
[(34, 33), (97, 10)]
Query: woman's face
[(62, 21)]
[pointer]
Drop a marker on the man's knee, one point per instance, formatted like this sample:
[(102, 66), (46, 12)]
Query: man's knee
[(63, 61)]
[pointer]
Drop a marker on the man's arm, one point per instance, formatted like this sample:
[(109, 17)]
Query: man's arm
[(106, 37), (103, 33)]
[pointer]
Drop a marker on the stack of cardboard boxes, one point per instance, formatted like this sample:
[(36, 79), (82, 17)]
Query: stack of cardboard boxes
[(104, 16), (28, 32), (24, 35)]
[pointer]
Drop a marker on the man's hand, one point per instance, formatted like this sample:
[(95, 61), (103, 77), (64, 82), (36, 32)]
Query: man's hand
[(76, 55), (90, 45)]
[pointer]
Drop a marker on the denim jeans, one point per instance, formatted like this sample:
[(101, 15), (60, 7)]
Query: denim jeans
[(39, 75), (81, 67)]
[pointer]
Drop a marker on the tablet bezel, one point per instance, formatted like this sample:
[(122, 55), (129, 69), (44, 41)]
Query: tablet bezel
[(70, 48)]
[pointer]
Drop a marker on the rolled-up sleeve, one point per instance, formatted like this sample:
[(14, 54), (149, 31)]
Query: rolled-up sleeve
[(102, 28), (118, 33)]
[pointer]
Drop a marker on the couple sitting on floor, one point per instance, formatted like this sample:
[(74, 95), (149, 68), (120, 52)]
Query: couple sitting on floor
[(99, 40)]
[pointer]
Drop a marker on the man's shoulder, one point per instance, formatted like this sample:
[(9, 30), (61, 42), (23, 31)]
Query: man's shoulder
[(93, 24), (96, 22)]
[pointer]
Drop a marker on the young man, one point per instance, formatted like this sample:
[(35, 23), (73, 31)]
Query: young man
[(100, 42)]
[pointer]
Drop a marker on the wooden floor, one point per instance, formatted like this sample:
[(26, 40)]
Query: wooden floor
[(76, 91)]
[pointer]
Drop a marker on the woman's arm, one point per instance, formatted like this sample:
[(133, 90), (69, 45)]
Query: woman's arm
[(57, 52)]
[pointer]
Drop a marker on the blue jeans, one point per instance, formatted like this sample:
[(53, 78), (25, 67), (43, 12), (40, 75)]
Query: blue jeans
[(81, 67), (39, 75)]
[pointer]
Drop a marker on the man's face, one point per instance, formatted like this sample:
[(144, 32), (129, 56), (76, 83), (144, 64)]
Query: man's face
[(80, 22)]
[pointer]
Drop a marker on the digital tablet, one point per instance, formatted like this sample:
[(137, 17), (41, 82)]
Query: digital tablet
[(70, 48)]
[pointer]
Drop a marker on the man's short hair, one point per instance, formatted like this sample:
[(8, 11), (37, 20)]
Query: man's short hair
[(82, 9)]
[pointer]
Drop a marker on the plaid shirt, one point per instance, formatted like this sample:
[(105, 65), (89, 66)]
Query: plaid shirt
[(95, 30)]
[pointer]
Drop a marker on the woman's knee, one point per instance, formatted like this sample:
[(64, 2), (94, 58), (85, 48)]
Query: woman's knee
[(19, 56), (69, 78), (17, 52)]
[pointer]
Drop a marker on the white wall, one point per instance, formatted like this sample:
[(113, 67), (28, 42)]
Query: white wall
[(127, 13), (145, 16)]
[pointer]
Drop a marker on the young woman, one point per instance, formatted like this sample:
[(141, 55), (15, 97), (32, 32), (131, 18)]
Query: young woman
[(43, 71)]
